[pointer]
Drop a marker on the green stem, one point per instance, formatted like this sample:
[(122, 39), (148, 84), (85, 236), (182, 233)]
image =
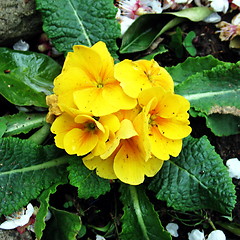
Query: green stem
[(39, 136), (211, 224), (138, 211)]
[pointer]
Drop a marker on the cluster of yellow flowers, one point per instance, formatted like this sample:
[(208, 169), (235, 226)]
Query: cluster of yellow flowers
[(124, 118)]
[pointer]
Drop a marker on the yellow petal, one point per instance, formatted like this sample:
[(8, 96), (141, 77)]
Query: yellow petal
[(172, 128), (104, 167), (130, 165), (61, 126), (80, 142), (111, 121), (162, 147), (171, 105), (126, 131), (106, 59), (131, 78), (158, 76)]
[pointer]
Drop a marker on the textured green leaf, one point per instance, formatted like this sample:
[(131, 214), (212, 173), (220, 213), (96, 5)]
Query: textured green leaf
[(192, 66), (22, 122), (223, 124), (26, 170), (140, 220), (195, 14), (142, 33), (187, 43), (213, 91), (81, 177), (176, 42), (73, 22), (40, 224), (30, 77), (63, 225), (196, 179)]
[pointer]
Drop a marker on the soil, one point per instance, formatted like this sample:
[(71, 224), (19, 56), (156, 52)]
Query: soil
[(99, 212)]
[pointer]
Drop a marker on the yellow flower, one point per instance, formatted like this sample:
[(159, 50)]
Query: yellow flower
[(167, 121), (135, 76), (87, 82), (54, 109), (82, 134), (128, 158)]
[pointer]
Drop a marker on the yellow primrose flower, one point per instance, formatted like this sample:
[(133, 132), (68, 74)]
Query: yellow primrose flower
[(87, 82), (167, 121), (83, 134), (135, 76), (129, 157)]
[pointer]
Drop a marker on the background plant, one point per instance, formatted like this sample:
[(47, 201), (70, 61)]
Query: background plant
[(32, 167)]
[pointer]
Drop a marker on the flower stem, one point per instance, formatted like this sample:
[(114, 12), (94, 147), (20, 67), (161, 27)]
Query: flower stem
[(39, 136)]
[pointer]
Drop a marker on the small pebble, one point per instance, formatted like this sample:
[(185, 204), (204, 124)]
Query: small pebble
[(195, 234), (21, 46), (233, 165), (172, 229)]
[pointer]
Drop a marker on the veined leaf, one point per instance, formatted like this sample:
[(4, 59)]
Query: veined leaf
[(192, 66), (22, 122), (74, 22), (26, 170), (196, 179), (26, 77), (140, 221), (212, 91), (81, 177), (63, 225)]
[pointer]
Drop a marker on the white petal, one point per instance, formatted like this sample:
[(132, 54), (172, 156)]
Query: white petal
[(216, 235), (8, 225), (30, 210), (236, 19), (22, 221), (172, 229), (233, 165), (195, 234), (220, 5)]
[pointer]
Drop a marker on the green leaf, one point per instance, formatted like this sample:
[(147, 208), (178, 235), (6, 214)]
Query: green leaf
[(159, 50), (195, 14), (73, 22), (230, 226), (196, 179), (3, 126), (40, 224), (142, 32), (22, 122), (62, 226), (192, 66), (81, 177), (187, 43), (147, 28), (26, 170), (213, 91), (176, 42), (223, 124), (140, 220), (26, 77)]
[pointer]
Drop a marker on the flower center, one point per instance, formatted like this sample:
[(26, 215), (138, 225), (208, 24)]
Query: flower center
[(90, 126), (100, 85)]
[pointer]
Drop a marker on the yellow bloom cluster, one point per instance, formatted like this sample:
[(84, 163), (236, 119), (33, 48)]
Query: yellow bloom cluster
[(124, 118)]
